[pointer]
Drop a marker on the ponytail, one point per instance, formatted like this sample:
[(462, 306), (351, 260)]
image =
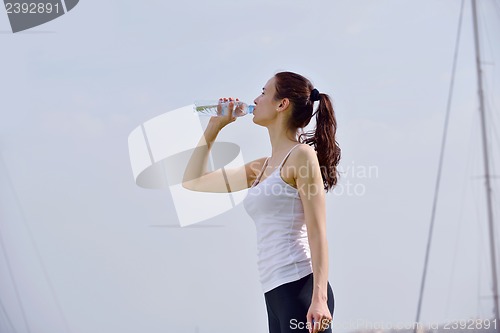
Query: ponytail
[(322, 139)]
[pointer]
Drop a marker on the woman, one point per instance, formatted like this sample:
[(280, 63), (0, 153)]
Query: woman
[(286, 199)]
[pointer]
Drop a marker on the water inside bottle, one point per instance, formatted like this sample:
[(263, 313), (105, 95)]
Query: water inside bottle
[(210, 108)]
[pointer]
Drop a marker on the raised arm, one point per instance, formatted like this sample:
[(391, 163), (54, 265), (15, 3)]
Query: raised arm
[(196, 177)]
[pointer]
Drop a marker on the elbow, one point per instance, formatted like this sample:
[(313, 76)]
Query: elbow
[(191, 184), (187, 182), (188, 185)]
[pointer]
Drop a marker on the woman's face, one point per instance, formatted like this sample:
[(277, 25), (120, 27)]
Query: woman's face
[(265, 104)]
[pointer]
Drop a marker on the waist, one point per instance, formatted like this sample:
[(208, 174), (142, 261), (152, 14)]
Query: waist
[(283, 260), (281, 275)]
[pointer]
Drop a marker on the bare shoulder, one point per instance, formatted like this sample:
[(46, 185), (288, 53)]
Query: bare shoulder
[(305, 149), (304, 154), (302, 159)]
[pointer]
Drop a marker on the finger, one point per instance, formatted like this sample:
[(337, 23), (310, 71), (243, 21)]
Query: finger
[(316, 324), (230, 109), (309, 321), (219, 107), (225, 103)]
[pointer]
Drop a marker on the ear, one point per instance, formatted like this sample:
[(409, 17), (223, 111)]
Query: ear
[(284, 104)]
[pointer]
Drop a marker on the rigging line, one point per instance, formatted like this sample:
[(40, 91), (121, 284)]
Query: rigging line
[(491, 126), (7, 316), (497, 11), (440, 167), (491, 105), (484, 137), (496, 236), (11, 275), (494, 133), (485, 83), (33, 243), (483, 21), (492, 49), (477, 199), (497, 7), (494, 120), (461, 217)]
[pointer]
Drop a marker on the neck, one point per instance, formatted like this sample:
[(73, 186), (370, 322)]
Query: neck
[(281, 139)]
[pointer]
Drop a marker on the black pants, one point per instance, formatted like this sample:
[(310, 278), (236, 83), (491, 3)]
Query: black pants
[(287, 306)]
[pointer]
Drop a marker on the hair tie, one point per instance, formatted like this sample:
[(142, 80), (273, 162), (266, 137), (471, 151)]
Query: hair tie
[(314, 95)]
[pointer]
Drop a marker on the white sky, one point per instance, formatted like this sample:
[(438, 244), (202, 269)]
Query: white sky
[(73, 89)]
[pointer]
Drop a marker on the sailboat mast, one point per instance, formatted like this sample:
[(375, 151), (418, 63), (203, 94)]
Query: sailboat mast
[(486, 166)]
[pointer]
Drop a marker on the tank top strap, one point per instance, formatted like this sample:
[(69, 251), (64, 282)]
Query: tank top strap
[(261, 171), (286, 156)]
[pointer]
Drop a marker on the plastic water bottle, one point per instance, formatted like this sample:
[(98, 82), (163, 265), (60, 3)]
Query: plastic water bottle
[(211, 108)]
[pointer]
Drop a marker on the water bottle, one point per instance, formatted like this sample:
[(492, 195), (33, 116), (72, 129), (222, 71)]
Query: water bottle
[(211, 108)]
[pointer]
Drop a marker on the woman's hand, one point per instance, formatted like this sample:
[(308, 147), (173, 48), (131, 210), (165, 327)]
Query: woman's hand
[(318, 316), (240, 109), (221, 120)]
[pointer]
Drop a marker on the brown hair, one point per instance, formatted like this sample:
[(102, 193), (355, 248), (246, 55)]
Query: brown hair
[(298, 90)]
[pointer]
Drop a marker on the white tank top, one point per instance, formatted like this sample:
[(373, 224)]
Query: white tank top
[(282, 246)]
